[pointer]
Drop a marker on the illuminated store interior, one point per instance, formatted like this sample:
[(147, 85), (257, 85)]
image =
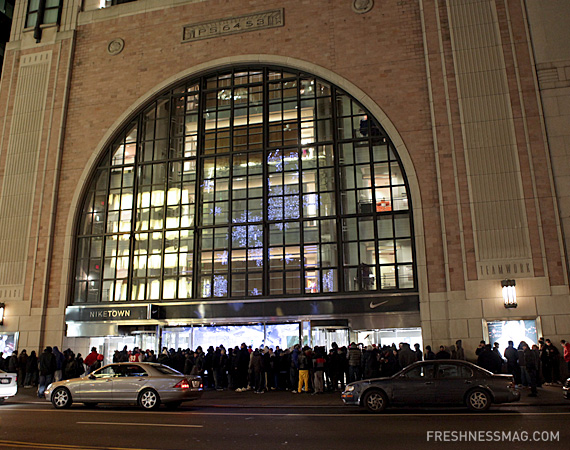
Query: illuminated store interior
[(247, 184)]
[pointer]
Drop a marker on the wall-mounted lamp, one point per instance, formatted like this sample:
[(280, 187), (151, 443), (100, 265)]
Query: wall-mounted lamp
[(2, 306), (509, 293)]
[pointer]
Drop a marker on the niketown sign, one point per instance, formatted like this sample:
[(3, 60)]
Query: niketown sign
[(270, 308)]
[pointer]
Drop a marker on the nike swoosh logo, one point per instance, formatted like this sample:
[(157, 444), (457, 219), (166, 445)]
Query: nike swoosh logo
[(376, 305)]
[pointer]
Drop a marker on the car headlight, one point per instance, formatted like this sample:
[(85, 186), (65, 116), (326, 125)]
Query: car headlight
[(349, 388)]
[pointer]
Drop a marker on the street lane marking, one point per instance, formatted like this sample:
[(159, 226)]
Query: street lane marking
[(141, 424), (29, 445), (371, 416)]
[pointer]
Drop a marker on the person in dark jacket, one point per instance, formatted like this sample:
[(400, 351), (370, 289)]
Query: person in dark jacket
[(512, 357), (59, 362), (48, 366), (70, 366), (31, 370), (443, 353), (489, 360), (22, 363), (354, 356), (12, 364), (294, 369), (389, 363), (336, 367), (531, 361), (406, 355), (418, 352), (241, 368), (430, 355), (255, 365), (553, 355)]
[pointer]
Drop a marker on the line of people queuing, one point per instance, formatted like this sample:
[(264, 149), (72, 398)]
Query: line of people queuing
[(297, 369), (51, 365)]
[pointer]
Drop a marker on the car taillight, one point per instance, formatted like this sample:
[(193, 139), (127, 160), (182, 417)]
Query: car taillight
[(183, 384)]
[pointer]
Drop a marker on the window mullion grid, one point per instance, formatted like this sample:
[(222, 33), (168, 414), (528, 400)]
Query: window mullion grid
[(338, 194), (198, 210), (266, 274)]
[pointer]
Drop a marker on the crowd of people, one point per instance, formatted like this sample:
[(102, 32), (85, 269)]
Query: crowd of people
[(297, 369)]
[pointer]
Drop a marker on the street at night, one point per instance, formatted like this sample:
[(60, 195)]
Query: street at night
[(237, 421)]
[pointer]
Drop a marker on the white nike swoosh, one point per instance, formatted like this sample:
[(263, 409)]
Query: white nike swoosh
[(376, 305)]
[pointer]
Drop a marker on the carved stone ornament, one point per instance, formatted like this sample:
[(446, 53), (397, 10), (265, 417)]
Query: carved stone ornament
[(115, 46), (362, 6)]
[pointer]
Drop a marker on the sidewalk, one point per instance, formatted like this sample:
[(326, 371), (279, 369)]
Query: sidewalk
[(547, 396)]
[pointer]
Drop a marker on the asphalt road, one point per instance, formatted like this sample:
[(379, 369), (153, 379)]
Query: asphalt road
[(34, 424)]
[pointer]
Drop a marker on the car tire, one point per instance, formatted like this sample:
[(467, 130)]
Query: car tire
[(2, 400), (478, 400), (172, 405), (61, 398), (375, 401), (90, 404), (149, 399)]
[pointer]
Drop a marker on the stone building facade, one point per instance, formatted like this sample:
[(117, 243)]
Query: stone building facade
[(468, 94)]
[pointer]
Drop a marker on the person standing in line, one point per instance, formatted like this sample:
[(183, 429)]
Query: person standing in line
[(531, 362), (12, 364), (294, 369), (31, 370), (459, 352), (48, 366), (419, 355), (566, 354), (304, 366), (443, 353), (354, 356), (91, 359), (22, 363), (512, 357), (319, 367), (553, 361), (59, 362)]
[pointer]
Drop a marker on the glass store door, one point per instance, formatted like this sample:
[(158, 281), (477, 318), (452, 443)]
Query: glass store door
[(324, 337)]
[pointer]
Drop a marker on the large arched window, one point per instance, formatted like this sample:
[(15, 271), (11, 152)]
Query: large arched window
[(251, 182)]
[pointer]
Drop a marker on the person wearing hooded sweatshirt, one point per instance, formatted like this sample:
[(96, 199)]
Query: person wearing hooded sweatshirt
[(60, 362)]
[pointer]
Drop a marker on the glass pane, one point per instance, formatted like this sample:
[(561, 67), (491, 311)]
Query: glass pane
[(404, 250), (387, 277), (405, 277), (330, 280), (386, 253), (400, 197), (385, 227), (402, 226)]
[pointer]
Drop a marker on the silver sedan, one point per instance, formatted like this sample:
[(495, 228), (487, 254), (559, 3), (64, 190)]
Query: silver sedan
[(145, 384), (8, 385)]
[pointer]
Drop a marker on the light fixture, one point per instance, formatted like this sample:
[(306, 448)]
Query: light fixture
[(2, 307), (509, 293)]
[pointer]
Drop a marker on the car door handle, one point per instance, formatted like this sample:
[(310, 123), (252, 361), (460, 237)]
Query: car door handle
[(467, 382), (429, 382)]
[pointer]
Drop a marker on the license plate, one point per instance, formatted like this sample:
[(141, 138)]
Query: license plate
[(5, 380)]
